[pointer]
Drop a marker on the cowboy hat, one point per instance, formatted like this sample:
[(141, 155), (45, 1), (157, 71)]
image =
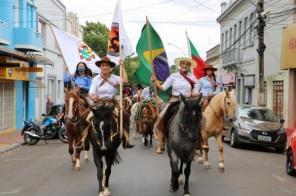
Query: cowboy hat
[(209, 67), (178, 61), (105, 59)]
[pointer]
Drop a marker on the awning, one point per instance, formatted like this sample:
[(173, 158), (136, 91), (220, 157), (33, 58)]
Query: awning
[(38, 59)]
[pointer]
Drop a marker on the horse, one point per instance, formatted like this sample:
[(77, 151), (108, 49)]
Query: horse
[(76, 111), (221, 109), (182, 130), (105, 139), (148, 118)]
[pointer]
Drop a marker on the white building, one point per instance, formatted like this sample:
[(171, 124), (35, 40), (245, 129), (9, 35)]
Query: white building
[(73, 27), (238, 21), (50, 12)]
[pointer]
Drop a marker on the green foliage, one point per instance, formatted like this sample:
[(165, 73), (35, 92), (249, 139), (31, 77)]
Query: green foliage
[(95, 35)]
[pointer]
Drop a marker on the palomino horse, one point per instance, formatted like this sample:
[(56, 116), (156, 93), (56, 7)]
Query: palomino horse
[(182, 131), (221, 109), (105, 140), (76, 111)]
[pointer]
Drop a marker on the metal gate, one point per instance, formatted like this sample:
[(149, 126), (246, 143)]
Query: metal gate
[(7, 105), (278, 98)]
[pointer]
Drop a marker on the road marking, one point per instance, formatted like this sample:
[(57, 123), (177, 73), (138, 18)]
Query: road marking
[(278, 178), (10, 192)]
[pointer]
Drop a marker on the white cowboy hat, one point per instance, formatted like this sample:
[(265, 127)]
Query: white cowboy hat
[(179, 59)]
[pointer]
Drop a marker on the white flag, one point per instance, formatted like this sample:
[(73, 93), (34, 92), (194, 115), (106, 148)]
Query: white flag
[(74, 50), (118, 35)]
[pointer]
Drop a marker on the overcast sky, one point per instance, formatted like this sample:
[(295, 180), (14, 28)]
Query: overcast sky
[(170, 18)]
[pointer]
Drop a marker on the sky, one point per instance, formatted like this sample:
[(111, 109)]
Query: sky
[(170, 18)]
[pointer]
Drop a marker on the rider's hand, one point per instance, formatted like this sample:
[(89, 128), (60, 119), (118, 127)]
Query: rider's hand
[(153, 78), (121, 63)]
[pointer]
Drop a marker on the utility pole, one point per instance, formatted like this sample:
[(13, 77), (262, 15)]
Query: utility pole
[(261, 48)]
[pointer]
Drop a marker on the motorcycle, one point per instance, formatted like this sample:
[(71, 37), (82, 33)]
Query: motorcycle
[(49, 128)]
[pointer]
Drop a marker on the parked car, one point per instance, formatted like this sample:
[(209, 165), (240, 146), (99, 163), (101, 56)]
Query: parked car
[(257, 126), (291, 152)]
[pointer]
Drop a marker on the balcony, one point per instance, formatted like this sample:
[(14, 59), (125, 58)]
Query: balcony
[(230, 57), (4, 33), (27, 40)]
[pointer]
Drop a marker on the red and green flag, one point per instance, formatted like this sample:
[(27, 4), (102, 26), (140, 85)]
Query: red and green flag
[(198, 70), (151, 52)]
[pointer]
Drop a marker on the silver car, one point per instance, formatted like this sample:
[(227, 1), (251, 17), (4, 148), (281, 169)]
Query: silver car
[(257, 126)]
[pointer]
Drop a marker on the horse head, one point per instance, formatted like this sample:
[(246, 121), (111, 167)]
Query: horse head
[(103, 122), (229, 106), (191, 116), (72, 105)]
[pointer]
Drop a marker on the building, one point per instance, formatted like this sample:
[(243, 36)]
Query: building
[(73, 26), (20, 44), (288, 62), (50, 12), (239, 41)]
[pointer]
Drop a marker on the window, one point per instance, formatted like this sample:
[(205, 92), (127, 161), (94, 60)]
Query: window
[(43, 33), (251, 38), (240, 31), (226, 40), (278, 98), (222, 42), (230, 38), (234, 34), (245, 31)]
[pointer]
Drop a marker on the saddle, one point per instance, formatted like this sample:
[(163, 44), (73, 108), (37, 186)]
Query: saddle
[(169, 115)]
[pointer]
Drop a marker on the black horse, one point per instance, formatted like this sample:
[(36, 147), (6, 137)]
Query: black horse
[(105, 139), (183, 130)]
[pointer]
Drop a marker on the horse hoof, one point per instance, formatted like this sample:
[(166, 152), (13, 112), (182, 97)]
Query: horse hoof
[(107, 192), (158, 150), (143, 140), (77, 168), (207, 166), (187, 194), (101, 194), (200, 160), (172, 189), (221, 169), (180, 180)]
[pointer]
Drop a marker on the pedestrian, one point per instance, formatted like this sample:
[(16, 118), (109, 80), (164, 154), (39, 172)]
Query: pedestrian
[(49, 104), (207, 85), (182, 82), (104, 87)]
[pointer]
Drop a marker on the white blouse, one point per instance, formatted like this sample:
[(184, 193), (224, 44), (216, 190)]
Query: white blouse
[(180, 85), (104, 89)]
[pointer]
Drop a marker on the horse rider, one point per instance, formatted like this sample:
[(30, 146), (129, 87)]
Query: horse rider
[(207, 85), (182, 82), (104, 86), (138, 93)]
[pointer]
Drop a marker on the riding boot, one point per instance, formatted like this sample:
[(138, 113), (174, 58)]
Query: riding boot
[(125, 141)]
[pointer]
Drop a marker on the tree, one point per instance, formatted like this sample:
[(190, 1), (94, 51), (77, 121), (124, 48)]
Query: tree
[(131, 65), (95, 35)]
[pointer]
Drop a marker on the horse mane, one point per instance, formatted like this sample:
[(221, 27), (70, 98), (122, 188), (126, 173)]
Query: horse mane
[(220, 96)]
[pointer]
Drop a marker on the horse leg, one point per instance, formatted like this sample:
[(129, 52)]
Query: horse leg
[(107, 176), (86, 149), (175, 172), (187, 174), (71, 150), (207, 164), (78, 149), (99, 164), (220, 152), (151, 135), (145, 135), (180, 179)]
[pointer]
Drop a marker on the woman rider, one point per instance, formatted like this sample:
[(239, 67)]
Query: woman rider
[(207, 85), (181, 82), (104, 86)]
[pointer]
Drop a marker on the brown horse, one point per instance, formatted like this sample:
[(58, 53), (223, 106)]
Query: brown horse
[(76, 112), (148, 118), (221, 109)]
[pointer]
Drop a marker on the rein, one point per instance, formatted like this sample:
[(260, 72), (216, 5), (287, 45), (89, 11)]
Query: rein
[(225, 115)]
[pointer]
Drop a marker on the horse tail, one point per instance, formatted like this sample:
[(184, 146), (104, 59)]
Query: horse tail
[(117, 159)]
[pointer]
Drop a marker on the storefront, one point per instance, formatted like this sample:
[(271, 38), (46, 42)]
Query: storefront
[(288, 62)]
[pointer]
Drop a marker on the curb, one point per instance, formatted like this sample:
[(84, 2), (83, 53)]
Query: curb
[(9, 148)]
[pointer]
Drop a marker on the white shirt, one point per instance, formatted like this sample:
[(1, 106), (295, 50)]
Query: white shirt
[(180, 85), (106, 90), (145, 95)]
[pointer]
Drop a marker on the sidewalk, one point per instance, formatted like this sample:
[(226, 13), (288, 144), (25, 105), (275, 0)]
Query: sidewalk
[(10, 140)]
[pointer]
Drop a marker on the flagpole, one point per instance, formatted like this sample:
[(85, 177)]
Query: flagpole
[(188, 47), (152, 67), (120, 90)]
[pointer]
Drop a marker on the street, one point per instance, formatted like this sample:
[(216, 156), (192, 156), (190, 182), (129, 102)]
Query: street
[(46, 170)]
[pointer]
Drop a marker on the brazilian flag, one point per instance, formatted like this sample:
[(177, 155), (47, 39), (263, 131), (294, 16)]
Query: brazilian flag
[(151, 52)]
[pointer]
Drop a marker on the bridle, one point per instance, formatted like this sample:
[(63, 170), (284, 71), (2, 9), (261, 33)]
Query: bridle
[(225, 111)]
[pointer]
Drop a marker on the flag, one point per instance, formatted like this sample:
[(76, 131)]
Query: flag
[(198, 70), (118, 36), (74, 50), (152, 54)]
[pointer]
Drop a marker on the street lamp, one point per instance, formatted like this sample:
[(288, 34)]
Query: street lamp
[(184, 53)]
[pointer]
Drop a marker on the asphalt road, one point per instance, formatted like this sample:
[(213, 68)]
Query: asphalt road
[(45, 170)]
